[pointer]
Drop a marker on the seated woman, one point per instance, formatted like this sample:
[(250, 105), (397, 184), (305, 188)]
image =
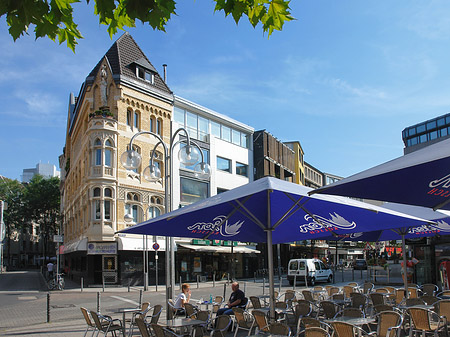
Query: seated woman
[(183, 298)]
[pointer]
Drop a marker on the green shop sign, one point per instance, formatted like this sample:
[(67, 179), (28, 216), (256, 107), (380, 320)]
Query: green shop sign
[(230, 243), (201, 242)]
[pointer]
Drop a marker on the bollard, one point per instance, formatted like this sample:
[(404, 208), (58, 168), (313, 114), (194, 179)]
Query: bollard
[(306, 278), (224, 290), (228, 278), (98, 301), (198, 277), (129, 285), (254, 277), (279, 286), (48, 307), (82, 284), (342, 274), (180, 282), (214, 279), (264, 285), (353, 274), (140, 298), (361, 275), (245, 287), (295, 282), (103, 283)]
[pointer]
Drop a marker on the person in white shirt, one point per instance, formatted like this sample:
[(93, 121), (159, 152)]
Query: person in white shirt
[(183, 298), (50, 269)]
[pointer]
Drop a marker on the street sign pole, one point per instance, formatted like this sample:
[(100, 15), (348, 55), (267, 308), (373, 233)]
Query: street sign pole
[(156, 247)]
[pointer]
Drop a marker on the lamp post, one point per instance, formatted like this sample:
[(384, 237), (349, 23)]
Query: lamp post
[(188, 154)]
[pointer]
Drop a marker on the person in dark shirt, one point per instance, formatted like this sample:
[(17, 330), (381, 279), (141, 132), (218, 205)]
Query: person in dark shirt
[(237, 299)]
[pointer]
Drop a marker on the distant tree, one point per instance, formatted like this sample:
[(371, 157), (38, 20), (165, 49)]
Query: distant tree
[(42, 206), (54, 18), (11, 192)]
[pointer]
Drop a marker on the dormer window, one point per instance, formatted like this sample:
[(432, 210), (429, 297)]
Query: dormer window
[(144, 74)]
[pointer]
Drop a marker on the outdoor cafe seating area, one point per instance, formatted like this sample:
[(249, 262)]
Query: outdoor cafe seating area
[(350, 310)]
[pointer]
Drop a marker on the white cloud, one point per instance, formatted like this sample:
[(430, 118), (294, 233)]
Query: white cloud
[(362, 92)]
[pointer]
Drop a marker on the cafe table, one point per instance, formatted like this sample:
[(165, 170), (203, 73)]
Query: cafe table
[(181, 323), (124, 312), (357, 321)]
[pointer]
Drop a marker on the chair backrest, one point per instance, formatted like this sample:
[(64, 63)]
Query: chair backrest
[(190, 310), (309, 322), (239, 316), (281, 305), (204, 315), (351, 312), (172, 305), (222, 322), (145, 306), (256, 302), (278, 328), (353, 284), (158, 330), (390, 289), (429, 289), (368, 287), (377, 298), (333, 290), (329, 309), (307, 295), (87, 317), (443, 307), (420, 318), (429, 299), (414, 301), (381, 290), (302, 308), (382, 307), (413, 292), (157, 309), (358, 300), (97, 322), (399, 295), (347, 290), (261, 320), (342, 329), (339, 297), (316, 332), (142, 327), (318, 288), (386, 320)]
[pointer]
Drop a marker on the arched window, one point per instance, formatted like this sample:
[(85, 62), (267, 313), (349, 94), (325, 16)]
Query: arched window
[(136, 120), (159, 126), (107, 204), (152, 124), (97, 152), (153, 212), (129, 118), (108, 153), (97, 203)]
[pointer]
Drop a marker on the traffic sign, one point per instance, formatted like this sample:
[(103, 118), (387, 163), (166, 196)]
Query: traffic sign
[(156, 246)]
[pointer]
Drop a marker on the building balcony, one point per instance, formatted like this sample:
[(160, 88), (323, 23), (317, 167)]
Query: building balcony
[(102, 171), (102, 122)]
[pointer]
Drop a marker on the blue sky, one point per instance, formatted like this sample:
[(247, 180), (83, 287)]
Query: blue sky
[(344, 79)]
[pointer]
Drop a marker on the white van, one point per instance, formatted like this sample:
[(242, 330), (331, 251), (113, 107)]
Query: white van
[(315, 270)]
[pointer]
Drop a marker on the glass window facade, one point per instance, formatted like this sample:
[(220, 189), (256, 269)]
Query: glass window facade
[(427, 131), (242, 169), (199, 127), (224, 164), (193, 190)]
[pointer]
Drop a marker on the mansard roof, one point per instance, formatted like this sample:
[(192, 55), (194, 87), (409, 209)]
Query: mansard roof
[(122, 57)]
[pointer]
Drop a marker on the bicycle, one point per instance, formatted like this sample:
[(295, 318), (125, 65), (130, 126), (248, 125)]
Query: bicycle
[(56, 283)]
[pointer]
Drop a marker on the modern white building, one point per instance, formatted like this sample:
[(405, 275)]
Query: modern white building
[(45, 170)]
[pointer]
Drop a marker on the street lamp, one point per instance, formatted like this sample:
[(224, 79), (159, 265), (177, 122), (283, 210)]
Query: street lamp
[(188, 154)]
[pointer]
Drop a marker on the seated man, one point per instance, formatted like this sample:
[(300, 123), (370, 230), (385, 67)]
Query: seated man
[(237, 299)]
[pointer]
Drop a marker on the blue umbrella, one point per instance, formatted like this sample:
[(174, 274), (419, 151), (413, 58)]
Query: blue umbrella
[(420, 178), (440, 226), (273, 211)]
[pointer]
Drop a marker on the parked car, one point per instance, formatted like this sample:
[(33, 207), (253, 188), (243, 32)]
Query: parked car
[(314, 270), (360, 264)]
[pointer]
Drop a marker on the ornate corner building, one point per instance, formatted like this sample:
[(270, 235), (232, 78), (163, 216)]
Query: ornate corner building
[(122, 95)]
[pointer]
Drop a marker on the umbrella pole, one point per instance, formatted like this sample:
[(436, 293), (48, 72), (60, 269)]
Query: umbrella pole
[(271, 272), (405, 276)]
